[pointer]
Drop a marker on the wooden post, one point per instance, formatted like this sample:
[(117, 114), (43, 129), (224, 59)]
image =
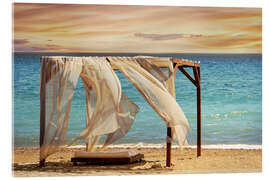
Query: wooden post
[(196, 71), (199, 121), (169, 147), (169, 129), (42, 109), (197, 82)]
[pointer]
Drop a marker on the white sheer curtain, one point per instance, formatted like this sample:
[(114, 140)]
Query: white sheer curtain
[(155, 93), (61, 75), (108, 111), (113, 113)]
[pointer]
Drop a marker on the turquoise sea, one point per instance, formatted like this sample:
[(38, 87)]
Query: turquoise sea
[(231, 101)]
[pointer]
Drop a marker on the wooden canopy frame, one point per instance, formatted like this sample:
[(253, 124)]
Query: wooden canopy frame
[(180, 64)]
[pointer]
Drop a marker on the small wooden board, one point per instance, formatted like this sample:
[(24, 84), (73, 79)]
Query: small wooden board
[(108, 157)]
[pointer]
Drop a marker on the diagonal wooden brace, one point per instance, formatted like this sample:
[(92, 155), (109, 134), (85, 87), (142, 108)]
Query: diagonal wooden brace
[(187, 75)]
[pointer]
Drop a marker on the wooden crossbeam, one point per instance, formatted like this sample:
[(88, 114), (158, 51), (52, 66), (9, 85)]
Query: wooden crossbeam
[(185, 62)]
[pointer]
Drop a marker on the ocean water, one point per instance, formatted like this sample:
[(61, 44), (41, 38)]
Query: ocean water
[(231, 101)]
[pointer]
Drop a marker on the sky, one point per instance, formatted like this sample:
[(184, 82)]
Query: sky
[(135, 29)]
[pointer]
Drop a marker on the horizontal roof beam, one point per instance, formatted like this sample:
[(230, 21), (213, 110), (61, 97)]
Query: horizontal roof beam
[(186, 63)]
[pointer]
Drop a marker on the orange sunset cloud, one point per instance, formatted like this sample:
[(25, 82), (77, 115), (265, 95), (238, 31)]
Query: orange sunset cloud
[(144, 29)]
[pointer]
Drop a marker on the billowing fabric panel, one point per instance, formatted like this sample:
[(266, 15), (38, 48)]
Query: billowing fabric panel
[(155, 93), (113, 112), (61, 76)]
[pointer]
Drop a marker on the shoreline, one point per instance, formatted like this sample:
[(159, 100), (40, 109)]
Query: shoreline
[(163, 145), (25, 162)]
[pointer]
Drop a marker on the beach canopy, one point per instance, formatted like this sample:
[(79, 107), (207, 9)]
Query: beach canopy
[(108, 111)]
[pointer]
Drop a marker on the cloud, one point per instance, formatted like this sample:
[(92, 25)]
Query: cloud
[(227, 41), (162, 37), (37, 48), (28, 49), (20, 41)]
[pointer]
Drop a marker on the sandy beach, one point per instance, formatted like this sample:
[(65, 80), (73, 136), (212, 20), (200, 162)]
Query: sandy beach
[(25, 163)]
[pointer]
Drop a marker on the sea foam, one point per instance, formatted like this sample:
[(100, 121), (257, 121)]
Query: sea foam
[(163, 145)]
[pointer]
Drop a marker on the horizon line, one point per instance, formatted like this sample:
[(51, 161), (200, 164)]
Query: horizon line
[(130, 52)]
